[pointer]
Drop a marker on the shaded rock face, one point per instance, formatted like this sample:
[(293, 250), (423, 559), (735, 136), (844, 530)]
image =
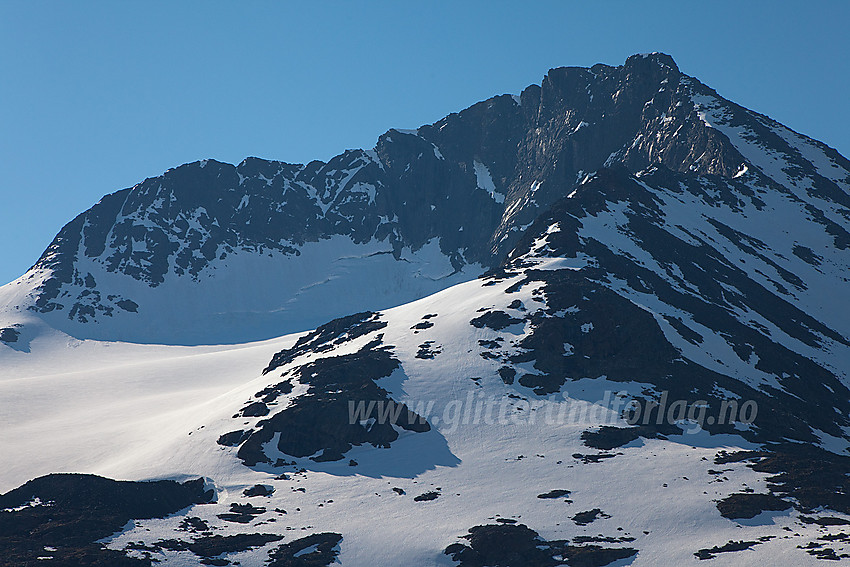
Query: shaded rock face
[(730, 547), (319, 423), (712, 308), (208, 548), (70, 512), (695, 306), (9, 335), (317, 550), (472, 181), (341, 407), (516, 545), (802, 476), (326, 336)]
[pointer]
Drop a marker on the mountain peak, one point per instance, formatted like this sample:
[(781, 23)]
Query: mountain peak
[(663, 310), (656, 58), (456, 195)]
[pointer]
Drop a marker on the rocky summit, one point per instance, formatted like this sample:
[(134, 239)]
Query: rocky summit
[(601, 322), (210, 252)]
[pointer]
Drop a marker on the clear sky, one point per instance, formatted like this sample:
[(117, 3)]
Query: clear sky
[(97, 96)]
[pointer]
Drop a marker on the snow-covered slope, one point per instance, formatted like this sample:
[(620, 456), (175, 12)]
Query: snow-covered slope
[(247, 296), (654, 370), (495, 454), (516, 408)]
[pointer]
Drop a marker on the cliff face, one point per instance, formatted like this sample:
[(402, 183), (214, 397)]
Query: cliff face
[(424, 209)]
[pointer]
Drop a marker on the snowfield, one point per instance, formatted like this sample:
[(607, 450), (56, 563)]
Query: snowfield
[(139, 412)]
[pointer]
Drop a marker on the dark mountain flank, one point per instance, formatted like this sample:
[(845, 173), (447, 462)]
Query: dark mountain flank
[(469, 185)]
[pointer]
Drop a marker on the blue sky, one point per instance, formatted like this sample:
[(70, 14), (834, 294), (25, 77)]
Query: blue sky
[(97, 96)]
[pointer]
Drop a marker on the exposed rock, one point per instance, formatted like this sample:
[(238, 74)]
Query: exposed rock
[(428, 351), (496, 320), (557, 493), (317, 550), (70, 512), (427, 496), (211, 546), (744, 505), (233, 438), (729, 547), (608, 437), (324, 423), (589, 516), (242, 513), (815, 478), (9, 335), (515, 545), (259, 490)]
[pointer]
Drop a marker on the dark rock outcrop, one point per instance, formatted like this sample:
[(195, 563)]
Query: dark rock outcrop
[(70, 512), (342, 407), (516, 545)]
